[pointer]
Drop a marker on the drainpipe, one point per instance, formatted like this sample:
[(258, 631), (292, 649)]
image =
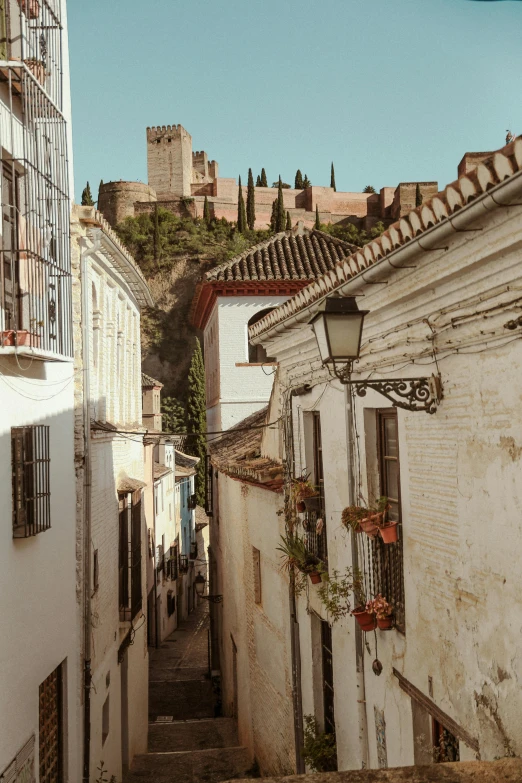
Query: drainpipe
[(85, 252), (359, 644)]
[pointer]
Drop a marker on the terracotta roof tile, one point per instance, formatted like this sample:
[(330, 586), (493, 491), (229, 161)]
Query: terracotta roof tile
[(285, 256), (332, 267), (147, 382)]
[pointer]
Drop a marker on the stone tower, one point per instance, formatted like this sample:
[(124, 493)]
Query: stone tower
[(169, 161)]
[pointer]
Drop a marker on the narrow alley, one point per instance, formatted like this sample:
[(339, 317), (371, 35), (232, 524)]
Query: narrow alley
[(187, 743)]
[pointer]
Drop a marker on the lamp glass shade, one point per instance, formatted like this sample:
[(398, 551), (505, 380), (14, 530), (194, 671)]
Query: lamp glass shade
[(339, 335), (200, 583)]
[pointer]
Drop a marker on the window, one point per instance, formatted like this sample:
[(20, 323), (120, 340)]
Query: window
[(445, 744), (315, 521), (328, 684), (256, 557), (256, 353), (31, 492), (130, 598), (208, 485), (105, 719), (388, 558), (96, 571), (50, 727), (10, 271)]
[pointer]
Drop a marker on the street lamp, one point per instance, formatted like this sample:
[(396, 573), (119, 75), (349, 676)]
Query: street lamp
[(338, 330), (200, 583)]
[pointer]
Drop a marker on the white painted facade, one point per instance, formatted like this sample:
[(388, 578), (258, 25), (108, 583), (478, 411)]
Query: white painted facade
[(166, 534), (111, 524), (235, 387), (461, 495), (38, 612)]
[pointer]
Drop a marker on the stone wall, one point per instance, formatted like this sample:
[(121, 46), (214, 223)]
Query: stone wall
[(503, 771), (169, 160), (116, 199)]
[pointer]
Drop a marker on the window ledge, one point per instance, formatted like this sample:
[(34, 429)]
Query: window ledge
[(257, 364), (39, 354)]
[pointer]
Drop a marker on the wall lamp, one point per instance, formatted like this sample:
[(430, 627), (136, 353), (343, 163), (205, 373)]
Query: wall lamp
[(200, 583), (338, 330)]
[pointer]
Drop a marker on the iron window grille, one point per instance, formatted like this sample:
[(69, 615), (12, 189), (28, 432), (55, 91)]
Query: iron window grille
[(31, 486), (388, 559), (129, 586), (314, 523), (173, 563), (209, 478), (50, 727), (193, 550), (183, 564), (160, 558), (35, 270)]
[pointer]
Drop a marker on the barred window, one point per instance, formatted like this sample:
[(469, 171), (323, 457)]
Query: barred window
[(256, 559), (314, 522), (388, 558), (129, 557), (31, 490)]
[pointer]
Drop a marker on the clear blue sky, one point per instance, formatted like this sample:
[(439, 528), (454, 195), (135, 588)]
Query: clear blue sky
[(390, 90)]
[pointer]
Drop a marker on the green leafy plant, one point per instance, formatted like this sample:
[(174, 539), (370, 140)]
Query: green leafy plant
[(295, 554), (380, 607), (302, 488), (319, 748), (102, 775), (336, 590)]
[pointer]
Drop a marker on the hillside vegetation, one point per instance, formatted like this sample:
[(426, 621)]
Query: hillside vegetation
[(173, 254)]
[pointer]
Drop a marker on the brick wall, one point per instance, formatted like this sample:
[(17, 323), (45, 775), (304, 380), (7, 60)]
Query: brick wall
[(169, 160)]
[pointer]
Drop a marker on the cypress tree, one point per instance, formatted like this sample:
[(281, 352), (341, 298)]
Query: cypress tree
[(241, 212), (251, 202), (273, 216), (156, 236), (206, 212), (306, 182), (280, 214), (173, 415), (332, 178), (418, 196), (197, 418), (288, 222), (317, 221), (298, 180), (369, 189), (264, 181), (258, 181), (87, 200)]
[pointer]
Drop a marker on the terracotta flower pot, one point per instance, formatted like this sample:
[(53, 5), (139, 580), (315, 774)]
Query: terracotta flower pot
[(369, 527), (385, 623), (389, 533), (315, 577), (365, 619), (313, 503), (19, 337), (300, 506)]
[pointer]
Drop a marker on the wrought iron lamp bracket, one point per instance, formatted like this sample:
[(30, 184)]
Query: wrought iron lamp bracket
[(412, 394), (215, 599)]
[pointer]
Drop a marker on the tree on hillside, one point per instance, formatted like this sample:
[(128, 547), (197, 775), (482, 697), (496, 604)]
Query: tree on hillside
[(264, 181), (298, 180), (99, 188), (173, 415), (206, 212), (87, 200), (280, 209), (197, 419), (369, 189), (418, 196), (288, 221), (317, 221), (273, 216), (157, 236), (332, 178), (258, 181), (241, 212), (306, 182), (251, 202)]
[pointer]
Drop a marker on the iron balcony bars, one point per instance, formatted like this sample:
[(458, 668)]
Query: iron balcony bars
[(30, 460), (35, 277), (31, 38)]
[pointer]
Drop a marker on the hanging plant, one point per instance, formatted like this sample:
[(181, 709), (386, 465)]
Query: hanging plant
[(382, 610), (336, 591), (295, 554)]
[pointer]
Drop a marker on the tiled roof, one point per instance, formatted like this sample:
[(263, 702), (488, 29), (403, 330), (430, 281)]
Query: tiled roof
[(285, 256), (160, 470), (147, 382), (185, 460), (502, 165), (237, 453), (182, 472), (128, 484)]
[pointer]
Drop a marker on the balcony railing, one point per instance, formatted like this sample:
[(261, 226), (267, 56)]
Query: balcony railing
[(314, 526)]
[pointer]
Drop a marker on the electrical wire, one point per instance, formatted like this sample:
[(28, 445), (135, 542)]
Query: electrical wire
[(37, 399)]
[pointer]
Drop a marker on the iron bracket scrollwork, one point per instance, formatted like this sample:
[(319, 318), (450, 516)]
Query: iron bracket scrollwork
[(412, 394)]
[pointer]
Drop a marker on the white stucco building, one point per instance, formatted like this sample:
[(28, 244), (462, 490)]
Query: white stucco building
[(235, 295), (39, 688), (447, 301), (112, 546)]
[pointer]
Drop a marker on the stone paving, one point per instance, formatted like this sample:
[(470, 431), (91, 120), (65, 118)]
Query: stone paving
[(187, 743)]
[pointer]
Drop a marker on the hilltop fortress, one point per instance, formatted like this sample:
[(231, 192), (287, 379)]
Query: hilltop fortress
[(179, 180)]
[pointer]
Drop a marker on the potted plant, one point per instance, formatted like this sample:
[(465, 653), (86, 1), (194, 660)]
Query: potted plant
[(296, 555), (19, 337), (366, 619), (352, 517), (31, 8), (382, 610), (306, 495)]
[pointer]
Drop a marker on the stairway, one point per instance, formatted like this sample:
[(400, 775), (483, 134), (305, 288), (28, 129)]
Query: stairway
[(187, 744)]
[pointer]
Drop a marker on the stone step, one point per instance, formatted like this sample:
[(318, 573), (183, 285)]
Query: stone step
[(181, 700), (192, 735), (201, 766)]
